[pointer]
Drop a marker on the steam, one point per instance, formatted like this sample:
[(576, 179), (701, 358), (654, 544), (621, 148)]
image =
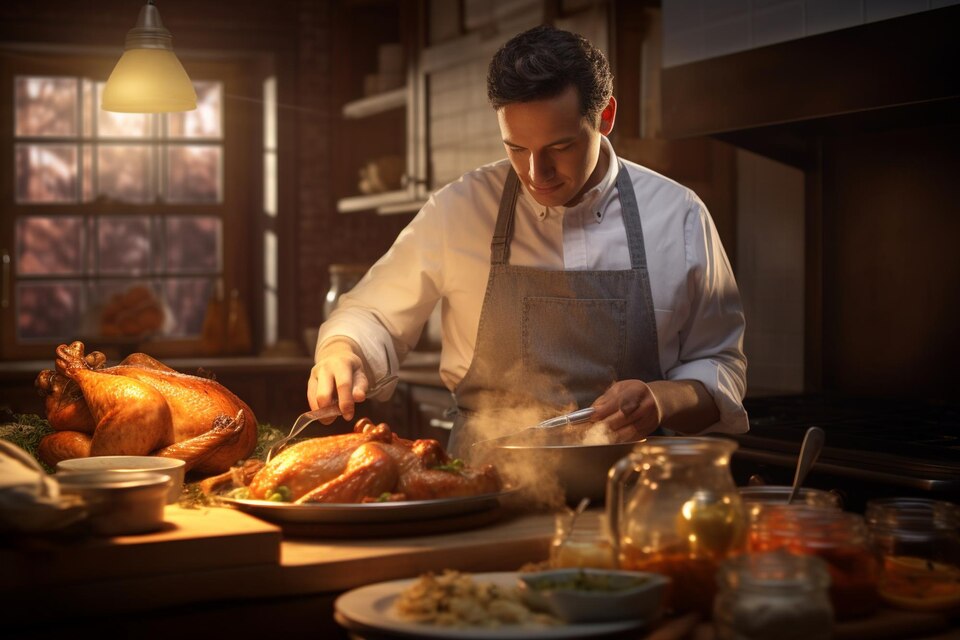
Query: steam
[(533, 468)]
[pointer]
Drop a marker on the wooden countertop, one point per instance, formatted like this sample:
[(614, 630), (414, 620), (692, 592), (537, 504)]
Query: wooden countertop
[(209, 556), (213, 553)]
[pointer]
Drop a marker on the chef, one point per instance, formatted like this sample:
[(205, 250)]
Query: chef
[(567, 277)]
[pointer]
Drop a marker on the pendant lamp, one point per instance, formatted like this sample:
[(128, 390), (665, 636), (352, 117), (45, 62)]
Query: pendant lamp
[(148, 77)]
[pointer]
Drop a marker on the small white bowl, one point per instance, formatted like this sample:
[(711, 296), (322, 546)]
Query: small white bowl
[(170, 467), (596, 595)]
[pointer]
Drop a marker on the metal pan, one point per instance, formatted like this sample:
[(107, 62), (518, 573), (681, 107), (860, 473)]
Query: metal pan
[(555, 463)]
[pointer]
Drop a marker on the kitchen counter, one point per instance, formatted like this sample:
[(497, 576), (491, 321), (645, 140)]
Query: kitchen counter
[(222, 570), (211, 555)]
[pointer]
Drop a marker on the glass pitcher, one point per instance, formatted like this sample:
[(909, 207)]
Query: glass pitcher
[(674, 509)]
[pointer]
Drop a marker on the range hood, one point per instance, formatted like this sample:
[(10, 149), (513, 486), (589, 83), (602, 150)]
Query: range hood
[(773, 99)]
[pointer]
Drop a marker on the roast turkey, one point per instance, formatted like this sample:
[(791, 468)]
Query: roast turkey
[(370, 464), (141, 407)]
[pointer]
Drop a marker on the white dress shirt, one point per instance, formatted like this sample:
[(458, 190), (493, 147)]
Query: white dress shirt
[(444, 255)]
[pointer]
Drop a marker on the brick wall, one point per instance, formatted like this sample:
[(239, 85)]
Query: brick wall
[(324, 236)]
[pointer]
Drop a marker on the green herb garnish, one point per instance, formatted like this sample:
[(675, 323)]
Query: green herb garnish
[(455, 465)]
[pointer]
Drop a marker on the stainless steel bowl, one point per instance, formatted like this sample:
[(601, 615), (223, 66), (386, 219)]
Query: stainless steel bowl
[(572, 472), (119, 502)]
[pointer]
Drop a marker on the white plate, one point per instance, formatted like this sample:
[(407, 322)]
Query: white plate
[(344, 513), (371, 608)]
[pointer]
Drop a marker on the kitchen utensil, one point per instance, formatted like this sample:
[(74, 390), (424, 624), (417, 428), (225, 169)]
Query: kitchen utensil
[(581, 507), (809, 452), (673, 508), (330, 411), (574, 417)]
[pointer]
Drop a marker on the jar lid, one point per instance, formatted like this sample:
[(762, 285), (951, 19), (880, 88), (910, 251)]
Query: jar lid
[(915, 514), (774, 569)]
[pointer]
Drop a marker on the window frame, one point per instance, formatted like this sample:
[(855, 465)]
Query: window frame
[(237, 210)]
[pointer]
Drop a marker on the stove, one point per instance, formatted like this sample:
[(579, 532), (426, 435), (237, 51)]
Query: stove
[(874, 447)]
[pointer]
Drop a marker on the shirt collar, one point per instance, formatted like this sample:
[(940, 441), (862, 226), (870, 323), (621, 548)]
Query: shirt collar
[(596, 198)]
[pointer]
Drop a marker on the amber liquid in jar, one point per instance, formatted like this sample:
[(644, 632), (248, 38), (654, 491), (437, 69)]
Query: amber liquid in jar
[(839, 538), (919, 540), (692, 580)]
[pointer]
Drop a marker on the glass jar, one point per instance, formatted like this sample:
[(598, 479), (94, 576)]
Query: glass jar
[(919, 542), (838, 537), (581, 542), (755, 498), (773, 595), (343, 277), (674, 509)]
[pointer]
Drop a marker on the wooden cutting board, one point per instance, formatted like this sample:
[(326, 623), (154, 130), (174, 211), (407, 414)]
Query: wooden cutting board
[(191, 540)]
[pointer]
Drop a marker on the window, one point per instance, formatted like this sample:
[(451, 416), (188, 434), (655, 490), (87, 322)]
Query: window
[(118, 227)]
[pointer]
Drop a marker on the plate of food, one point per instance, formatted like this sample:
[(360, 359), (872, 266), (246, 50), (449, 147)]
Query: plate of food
[(482, 606), (370, 475)]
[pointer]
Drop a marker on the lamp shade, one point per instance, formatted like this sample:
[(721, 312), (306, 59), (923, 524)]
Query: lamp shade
[(148, 77)]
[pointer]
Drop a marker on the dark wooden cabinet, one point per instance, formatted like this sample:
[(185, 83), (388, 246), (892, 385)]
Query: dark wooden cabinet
[(430, 412)]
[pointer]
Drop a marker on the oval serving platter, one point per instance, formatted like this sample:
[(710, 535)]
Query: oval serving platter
[(344, 513)]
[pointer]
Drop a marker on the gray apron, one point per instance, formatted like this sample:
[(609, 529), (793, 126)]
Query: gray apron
[(555, 340)]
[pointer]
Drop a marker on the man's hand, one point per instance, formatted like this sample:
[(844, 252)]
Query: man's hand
[(339, 377), (633, 409), (630, 409)]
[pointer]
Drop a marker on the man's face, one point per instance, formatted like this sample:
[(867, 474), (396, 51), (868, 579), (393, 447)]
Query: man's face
[(552, 147)]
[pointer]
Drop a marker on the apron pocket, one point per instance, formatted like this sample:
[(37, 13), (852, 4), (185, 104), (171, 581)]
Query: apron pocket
[(572, 349)]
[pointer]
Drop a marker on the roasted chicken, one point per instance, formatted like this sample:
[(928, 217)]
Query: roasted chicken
[(370, 464), (141, 407)]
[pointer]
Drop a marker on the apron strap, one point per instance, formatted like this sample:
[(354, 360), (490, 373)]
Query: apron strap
[(500, 246), (631, 219)]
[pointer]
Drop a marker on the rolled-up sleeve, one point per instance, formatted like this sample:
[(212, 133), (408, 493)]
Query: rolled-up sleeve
[(711, 340), (387, 310)]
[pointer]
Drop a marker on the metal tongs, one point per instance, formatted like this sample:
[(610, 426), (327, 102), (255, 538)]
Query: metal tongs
[(574, 417), (330, 411)]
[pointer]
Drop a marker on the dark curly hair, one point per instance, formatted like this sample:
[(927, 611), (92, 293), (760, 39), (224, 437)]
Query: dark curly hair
[(542, 62)]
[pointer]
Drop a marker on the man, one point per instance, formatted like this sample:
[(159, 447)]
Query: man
[(567, 277)]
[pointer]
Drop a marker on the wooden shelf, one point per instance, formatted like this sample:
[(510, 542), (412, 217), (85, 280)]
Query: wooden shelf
[(372, 105), (388, 202)]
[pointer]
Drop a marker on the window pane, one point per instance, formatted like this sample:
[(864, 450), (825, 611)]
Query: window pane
[(270, 183), (123, 244), (193, 244), (128, 308), (46, 173), (270, 113), (193, 174), (46, 106), (86, 170), (123, 172), (204, 122), (49, 245), (88, 89), (187, 300), (48, 310), (120, 125)]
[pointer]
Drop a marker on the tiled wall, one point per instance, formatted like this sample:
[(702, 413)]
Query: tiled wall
[(699, 29), (770, 272), (463, 128)]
